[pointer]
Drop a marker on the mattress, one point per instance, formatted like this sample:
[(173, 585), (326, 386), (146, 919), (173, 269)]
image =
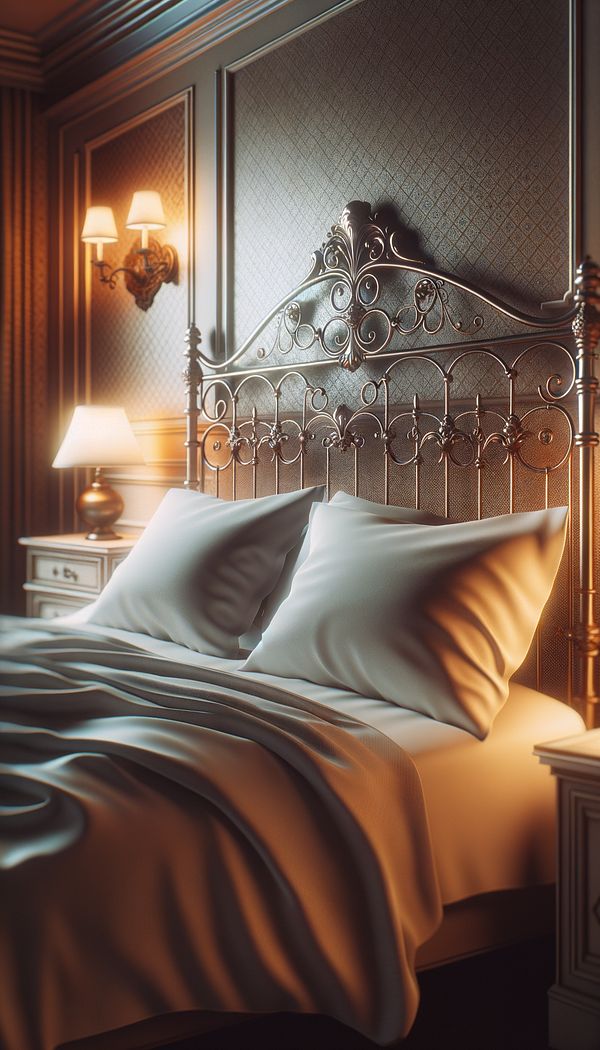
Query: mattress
[(490, 804)]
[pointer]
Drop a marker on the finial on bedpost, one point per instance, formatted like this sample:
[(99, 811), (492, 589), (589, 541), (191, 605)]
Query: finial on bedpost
[(192, 377), (586, 330)]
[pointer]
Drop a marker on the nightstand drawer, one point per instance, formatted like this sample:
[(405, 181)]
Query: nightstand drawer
[(66, 572), (81, 574), (49, 606)]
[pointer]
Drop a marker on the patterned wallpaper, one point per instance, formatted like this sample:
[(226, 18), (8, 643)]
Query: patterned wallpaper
[(454, 114), (136, 355)]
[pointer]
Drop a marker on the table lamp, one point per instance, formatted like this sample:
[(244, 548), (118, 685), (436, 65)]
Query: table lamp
[(99, 434)]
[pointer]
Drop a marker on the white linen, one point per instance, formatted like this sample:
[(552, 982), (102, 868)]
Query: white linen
[(176, 839), (491, 806), (297, 557), (403, 515), (202, 567), (435, 619)]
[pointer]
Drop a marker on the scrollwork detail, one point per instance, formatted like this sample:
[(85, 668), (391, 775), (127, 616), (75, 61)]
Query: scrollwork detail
[(467, 437), (343, 436), (429, 311), (234, 441), (357, 246), (449, 437), (275, 439)]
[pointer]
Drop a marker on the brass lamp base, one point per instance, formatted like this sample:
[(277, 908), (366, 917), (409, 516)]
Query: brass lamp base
[(100, 506)]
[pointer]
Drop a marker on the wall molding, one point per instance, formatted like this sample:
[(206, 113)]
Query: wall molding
[(165, 425), (73, 37), (159, 59), (82, 253), (20, 61), (224, 204), (161, 480), (119, 44), (224, 341)]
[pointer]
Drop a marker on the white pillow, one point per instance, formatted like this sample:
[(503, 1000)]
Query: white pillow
[(433, 619), (405, 515), (297, 556), (202, 567)]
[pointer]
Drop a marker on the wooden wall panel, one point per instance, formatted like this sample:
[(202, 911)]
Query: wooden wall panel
[(23, 310)]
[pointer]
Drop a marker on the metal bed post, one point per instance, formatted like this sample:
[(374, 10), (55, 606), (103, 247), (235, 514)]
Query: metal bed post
[(192, 376), (586, 636)]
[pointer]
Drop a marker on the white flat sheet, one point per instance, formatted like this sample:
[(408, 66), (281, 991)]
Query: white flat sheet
[(491, 805)]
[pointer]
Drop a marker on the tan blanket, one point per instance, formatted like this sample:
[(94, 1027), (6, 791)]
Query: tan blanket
[(169, 844)]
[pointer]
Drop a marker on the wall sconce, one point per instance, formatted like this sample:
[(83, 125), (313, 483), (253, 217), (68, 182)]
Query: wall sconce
[(144, 268)]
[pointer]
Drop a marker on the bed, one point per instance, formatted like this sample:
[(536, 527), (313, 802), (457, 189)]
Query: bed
[(208, 812)]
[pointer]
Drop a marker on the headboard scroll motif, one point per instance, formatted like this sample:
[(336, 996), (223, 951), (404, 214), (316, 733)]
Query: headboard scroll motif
[(373, 297), (521, 443)]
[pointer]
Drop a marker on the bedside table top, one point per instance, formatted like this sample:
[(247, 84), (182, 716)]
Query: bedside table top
[(76, 541), (579, 752)]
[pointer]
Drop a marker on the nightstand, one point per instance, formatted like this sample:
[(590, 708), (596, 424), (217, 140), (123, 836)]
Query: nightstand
[(65, 573), (574, 1001)]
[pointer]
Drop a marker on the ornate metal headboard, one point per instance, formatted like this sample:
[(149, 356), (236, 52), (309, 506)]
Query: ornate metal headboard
[(438, 418)]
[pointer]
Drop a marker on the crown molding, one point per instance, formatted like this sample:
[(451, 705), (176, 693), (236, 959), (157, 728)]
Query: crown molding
[(20, 61), (135, 70), (109, 43), (72, 42), (79, 16), (58, 56)]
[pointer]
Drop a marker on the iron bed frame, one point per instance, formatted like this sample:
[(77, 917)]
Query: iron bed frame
[(361, 274)]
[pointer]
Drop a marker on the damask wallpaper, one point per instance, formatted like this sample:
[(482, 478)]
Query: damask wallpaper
[(135, 355), (454, 114)]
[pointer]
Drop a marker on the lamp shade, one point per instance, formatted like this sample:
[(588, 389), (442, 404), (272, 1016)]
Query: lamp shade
[(146, 211), (98, 435), (99, 226)]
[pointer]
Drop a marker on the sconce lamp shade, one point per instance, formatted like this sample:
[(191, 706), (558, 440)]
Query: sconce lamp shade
[(146, 211), (149, 264), (99, 226), (98, 435)]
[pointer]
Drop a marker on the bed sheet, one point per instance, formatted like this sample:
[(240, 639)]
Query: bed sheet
[(491, 805), (183, 838)]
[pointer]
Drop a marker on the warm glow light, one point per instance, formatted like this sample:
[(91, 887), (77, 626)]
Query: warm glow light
[(99, 226), (146, 211), (98, 435), (148, 269)]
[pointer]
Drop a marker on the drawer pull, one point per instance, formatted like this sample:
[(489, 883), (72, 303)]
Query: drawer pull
[(68, 574)]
